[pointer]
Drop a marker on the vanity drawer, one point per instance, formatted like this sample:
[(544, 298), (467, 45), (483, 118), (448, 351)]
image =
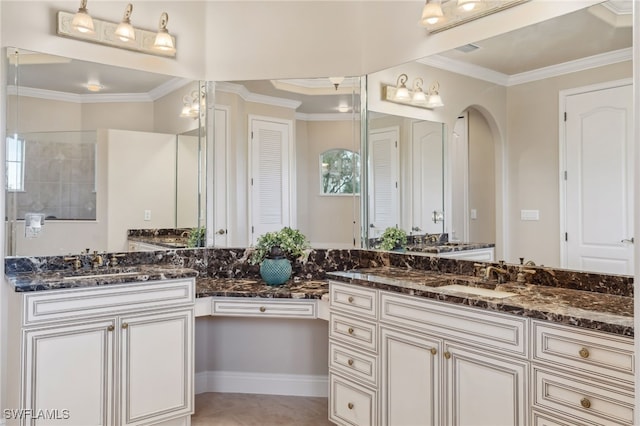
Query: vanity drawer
[(350, 362), (583, 399), (595, 353), (352, 331), (351, 403), (55, 305), (353, 299), (488, 330), (267, 308)]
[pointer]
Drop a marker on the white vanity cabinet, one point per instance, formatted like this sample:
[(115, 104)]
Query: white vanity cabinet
[(353, 355), (444, 364), (581, 376), (109, 355)]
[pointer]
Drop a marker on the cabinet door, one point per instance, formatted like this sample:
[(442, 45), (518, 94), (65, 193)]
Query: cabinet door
[(156, 366), (484, 388), (411, 379), (68, 374)]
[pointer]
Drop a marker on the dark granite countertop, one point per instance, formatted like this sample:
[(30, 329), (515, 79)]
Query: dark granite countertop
[(39, 281), (166, 241), (448, 247), (604, 312), (247, 287)]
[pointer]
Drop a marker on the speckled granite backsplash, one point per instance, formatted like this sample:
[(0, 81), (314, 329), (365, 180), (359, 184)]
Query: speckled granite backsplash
[(233, 263)]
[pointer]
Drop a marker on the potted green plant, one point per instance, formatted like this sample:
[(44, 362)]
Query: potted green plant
[(274, 251), (393, 239), (196, 237)]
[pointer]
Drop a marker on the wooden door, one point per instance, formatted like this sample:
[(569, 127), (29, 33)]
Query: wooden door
[(69, 374), (428, 177), (411, 379), (271, 177), (599, 180), (384, 199), (156, 366)]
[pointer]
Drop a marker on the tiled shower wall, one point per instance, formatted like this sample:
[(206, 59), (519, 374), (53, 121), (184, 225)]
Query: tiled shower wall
[(59, 177)]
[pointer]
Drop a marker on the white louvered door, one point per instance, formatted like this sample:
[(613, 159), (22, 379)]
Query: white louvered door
[(270, 177), (383, 180)]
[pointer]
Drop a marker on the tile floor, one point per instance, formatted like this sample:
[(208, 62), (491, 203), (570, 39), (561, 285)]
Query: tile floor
[(238, 409)]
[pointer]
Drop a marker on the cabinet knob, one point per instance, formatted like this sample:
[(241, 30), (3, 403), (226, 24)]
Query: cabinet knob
[(350, 330), (262, 309), (125, 325), (350, 299), (585, 403), (350, 405), (110, 328), (350, 362), (447, 355), (434, 351), (584, 352)]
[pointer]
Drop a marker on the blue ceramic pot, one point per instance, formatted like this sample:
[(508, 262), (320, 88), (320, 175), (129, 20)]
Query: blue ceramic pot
[(275, 271)]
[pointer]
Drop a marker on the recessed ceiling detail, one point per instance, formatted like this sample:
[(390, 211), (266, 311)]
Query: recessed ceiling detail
[(318, 86)]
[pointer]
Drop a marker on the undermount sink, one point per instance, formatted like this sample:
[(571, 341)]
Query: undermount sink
[(477, 291)]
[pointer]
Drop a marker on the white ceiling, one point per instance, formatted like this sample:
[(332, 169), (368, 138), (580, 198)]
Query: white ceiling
[(565, 38)]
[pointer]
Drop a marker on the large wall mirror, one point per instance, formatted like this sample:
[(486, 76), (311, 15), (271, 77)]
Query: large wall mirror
[(269, 138), (516, 173), (97, 150)]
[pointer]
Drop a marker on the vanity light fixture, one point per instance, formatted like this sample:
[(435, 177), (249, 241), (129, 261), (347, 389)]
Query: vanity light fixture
[(82, 21), (431, 12), (125, 31), (81, 26), (192, 104), (440, 15), (163, 40), (399, 93)]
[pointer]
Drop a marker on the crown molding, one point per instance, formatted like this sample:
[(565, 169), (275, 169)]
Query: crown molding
[(464, 68), (594, 61), (317, 86), (76, 98), (168, 87), (248, 96), (482, 73), (336, 116)]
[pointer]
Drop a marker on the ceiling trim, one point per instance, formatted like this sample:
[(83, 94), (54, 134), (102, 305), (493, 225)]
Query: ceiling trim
[(317, 86), (168, 87), (482, 73), (76, 98), (248, 96), (464, 68), (335, 116), (594, 61)]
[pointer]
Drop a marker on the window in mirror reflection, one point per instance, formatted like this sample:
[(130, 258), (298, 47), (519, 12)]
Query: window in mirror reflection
[(15, 164), (53, 173), (339, 172)]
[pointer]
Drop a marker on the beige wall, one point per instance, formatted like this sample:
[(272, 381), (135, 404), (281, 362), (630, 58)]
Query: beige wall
[(482, 186), (533, 161), (329, 219), (141, 176)]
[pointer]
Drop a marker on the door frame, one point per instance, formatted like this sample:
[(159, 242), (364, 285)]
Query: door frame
[(292, 170), (562, 144), (398, 213)]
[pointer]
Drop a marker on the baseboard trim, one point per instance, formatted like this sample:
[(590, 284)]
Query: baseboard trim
[(261, 383)]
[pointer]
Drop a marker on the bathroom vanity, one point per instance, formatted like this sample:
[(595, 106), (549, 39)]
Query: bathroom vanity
[(412, 339), (421, 347)]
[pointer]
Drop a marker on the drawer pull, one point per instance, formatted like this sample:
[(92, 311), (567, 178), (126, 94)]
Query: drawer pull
[(262, 309), (350, 362), (110, 328), (447, 355), (434, 351), (584, 352), (350, 405), (125, 325), (585, 403), (350, 299), (350, 330)]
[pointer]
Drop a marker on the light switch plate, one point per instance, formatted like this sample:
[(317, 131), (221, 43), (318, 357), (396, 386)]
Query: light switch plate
[(529, 214), (147, 215), (474, 214)]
